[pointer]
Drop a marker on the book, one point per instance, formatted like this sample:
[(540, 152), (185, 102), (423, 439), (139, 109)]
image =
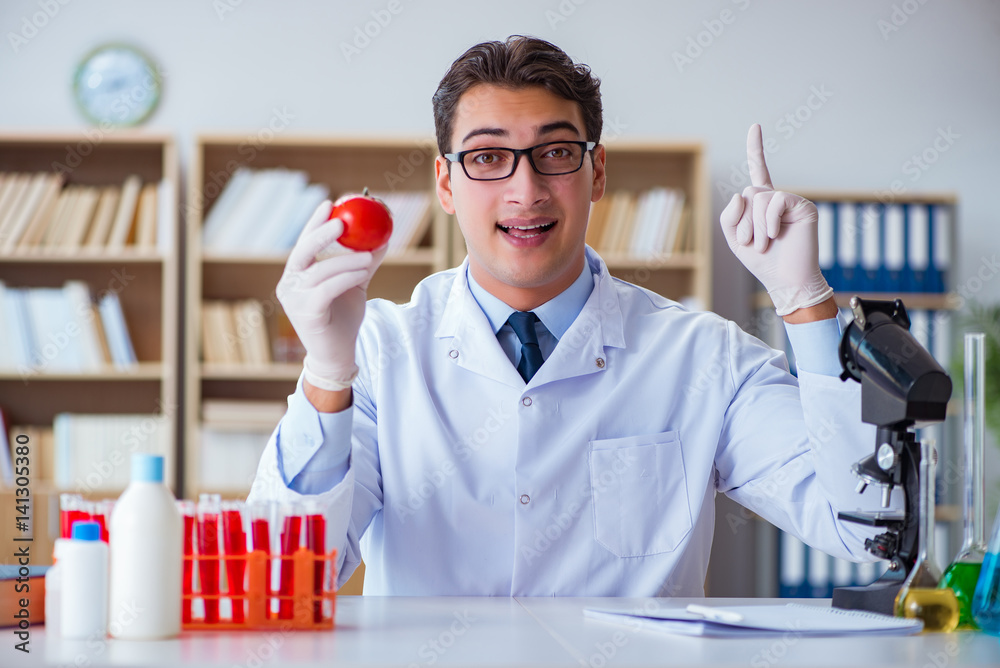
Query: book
[(92, 452), (242, 414), (598, 218), (30, 589), (166, 214), (760, 621), (75, 230), (918, 247), (228, 458), (222, 209), (116, 331), (43, 213), (13, 196), (145, 221), (6, 456), (121, 228), (107, 205), (63, 213), (22, 215)]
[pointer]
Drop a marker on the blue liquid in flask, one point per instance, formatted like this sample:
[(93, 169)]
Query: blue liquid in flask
[(986, 600)]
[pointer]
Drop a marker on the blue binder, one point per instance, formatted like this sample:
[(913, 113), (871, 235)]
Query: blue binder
[(918, 247)]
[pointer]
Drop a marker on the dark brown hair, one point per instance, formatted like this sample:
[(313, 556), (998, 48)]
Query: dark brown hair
[(517, 63)]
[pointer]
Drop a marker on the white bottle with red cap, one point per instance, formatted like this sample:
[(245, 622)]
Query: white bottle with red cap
[(147, 555)]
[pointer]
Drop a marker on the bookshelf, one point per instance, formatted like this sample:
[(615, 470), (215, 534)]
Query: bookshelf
[(341, 164), (879, 259), (145, 280), (634, 167)]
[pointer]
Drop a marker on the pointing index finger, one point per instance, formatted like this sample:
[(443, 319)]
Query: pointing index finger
[(755, 157)]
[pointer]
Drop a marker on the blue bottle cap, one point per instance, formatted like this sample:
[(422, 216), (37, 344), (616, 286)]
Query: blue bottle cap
[(86, 531), (147, 468)]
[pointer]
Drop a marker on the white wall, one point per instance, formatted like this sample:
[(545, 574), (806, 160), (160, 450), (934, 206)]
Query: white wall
[(890, 92)]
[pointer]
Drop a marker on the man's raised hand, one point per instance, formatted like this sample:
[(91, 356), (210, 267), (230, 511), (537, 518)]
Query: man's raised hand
[(782, 228)]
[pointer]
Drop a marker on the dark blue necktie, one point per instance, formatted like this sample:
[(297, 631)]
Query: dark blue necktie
[(523, 324)]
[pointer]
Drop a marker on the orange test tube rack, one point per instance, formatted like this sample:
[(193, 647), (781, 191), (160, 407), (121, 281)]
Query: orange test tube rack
[(257, 597)]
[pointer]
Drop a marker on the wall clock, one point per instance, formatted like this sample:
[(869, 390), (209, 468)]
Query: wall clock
[(116, 84)]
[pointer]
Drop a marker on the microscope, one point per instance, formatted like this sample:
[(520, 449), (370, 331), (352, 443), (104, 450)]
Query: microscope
[(901, 385)]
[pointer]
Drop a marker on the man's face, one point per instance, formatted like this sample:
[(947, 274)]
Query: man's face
[(525, 234)]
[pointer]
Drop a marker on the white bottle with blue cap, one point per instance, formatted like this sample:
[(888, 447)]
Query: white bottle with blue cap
[(146, 556), (83, 566)]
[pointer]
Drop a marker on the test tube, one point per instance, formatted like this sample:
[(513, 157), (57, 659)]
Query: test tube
[(260, 514), (188, 511), (291, 537), (236, 546), (208, 551), (316, 541), (102, 515), (70, 510)]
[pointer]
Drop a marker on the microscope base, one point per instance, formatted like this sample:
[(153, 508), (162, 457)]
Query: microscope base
[(877, 597)]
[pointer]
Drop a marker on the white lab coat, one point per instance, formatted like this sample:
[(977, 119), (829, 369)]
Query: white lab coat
[(598, 477)]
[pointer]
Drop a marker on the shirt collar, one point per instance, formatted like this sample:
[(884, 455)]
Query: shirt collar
[(557, 314)]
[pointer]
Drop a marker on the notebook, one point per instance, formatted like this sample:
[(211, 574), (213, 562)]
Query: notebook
[(761, 621)]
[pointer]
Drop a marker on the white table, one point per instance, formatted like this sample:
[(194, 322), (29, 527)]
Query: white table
[(401, 631)]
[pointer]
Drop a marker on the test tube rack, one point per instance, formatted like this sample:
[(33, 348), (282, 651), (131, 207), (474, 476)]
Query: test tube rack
[(307, 600)]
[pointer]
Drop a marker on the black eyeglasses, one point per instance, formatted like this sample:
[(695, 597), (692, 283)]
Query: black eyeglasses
[(494, 163)]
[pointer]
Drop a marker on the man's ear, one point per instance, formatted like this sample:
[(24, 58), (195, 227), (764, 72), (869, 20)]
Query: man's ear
[(443, 179), (600, 177)]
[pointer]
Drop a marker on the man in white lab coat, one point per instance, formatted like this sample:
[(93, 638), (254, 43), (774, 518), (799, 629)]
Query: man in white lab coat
[(529, 425)]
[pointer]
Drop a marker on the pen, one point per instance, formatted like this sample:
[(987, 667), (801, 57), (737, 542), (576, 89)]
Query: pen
[(715, 614)]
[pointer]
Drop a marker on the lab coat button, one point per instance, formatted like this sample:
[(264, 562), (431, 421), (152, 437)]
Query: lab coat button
[(453, 354), (600, 362), (525, 499), (526, 401)]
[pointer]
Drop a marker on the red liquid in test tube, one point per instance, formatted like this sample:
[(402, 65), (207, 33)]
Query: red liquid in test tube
[(261, 531), (208, 549), (236, 545), (70, 510), (103, 517), (291, 535), (187, 509), (316, 541)]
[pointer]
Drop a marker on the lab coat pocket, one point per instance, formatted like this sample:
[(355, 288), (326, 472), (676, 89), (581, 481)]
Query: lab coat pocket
[(640, 494)]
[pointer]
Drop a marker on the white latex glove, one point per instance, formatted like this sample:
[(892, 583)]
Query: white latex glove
[(325, 300), (774, 234)]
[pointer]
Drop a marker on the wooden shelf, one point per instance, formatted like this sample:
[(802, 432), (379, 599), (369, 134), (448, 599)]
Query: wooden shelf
[(913, 300), (419, 256), (145, 281), (859, 196), (84, 257), (686, 261), (245, 372), (144, 371)]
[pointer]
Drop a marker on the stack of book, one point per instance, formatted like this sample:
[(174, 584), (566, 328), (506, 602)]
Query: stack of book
[(262, 212), (92, 453), (235, 333), (411, 217), (41, 452), (39, 213), (875, 247), (59, 330), (652, 223), (233, 435)]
